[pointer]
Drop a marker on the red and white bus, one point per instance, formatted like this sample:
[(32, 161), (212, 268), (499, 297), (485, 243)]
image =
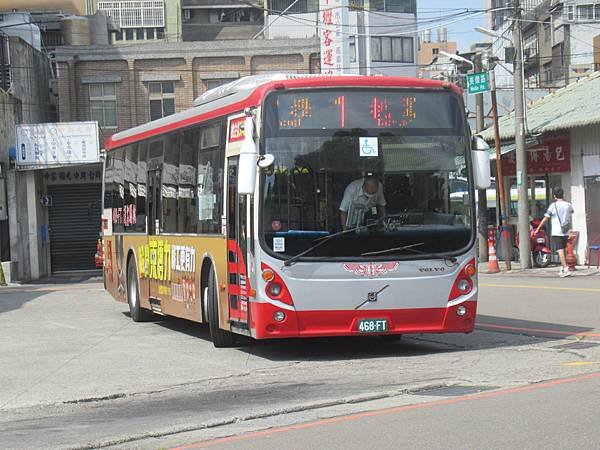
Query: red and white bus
[(229, 212)]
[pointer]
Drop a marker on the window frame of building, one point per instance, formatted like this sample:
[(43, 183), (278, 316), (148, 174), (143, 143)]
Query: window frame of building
[(103, 103), (386, 50), (394, 6), (278, 6), (213, 83), (547, 30), (547, 73), (352, 48), (158, 95), (135, 14), (585, 12)]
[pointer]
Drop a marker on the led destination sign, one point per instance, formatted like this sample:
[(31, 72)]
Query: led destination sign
[(335, 109)]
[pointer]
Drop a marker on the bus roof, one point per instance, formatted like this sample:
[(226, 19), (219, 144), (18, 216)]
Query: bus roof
[(249, 91)]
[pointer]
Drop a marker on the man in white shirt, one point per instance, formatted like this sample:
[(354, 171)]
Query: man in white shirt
[(559, 213), (361, 196)]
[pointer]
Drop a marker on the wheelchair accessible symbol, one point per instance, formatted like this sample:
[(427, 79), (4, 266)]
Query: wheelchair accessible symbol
[(368, 146)]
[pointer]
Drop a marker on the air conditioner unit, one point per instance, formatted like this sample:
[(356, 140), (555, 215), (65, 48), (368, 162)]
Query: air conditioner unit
[(187, 15)]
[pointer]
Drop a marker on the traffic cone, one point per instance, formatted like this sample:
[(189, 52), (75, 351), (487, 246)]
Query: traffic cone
[(492, 260)]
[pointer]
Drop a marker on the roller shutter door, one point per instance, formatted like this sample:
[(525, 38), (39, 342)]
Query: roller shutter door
[(74, 220)]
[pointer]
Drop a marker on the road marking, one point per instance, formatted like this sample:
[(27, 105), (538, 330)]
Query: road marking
[(528, 286), (579, 363), (386, 411), (535, 330)]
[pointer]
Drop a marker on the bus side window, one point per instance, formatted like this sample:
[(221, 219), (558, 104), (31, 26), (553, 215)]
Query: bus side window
[(109, 181), (170, 176), (211, 159), (130, 188), (187, 215), (142, 187), (119, 190)]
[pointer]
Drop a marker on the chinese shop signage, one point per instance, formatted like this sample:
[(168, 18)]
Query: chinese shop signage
[(333, 23), (56, 144), (553, 156)]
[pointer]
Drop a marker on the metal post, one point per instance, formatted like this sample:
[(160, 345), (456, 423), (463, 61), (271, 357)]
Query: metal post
[(499, 175), (523, 203), (482, 193)]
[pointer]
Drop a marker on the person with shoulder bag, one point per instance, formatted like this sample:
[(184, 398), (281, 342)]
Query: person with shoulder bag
[(559, 213)]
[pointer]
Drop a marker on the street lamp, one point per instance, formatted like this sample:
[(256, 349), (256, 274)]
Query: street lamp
[(458, 58), (492, 33)]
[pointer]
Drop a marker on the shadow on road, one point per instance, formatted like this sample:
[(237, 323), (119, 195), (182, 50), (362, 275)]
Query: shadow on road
[(491, 332), (14, 299), (530, 328)]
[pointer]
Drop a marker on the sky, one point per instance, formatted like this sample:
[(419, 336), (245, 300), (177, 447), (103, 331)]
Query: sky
[(461, 31)]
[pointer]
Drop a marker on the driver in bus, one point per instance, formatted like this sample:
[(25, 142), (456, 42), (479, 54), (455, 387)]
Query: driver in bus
[(362, 198)]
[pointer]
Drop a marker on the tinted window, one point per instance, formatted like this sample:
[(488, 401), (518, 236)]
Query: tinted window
[(210, 179), (187, 199), (118, 191), (169, 189), (142, 186)]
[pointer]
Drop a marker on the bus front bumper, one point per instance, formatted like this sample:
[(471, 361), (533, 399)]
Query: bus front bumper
[(346, 322)]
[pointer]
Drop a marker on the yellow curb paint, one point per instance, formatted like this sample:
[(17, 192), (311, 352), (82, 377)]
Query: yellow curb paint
[(580, 363), (527, 286)]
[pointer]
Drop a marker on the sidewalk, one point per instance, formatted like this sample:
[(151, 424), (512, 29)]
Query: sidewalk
[(547, 272)]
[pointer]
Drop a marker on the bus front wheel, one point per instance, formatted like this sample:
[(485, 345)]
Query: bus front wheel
[(220, 338), (137, 313)]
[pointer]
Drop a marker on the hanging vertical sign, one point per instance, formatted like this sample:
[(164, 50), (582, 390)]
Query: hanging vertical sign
[(333, 30)]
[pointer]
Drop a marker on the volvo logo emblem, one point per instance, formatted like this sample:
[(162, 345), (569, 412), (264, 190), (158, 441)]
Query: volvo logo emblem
[(372, 296)]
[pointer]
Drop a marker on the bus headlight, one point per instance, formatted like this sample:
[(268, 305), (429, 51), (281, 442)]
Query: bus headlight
[(279, 316), (464, 286), (461, 310), (274, 289)]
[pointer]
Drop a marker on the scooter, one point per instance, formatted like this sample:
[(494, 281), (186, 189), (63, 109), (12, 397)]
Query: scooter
[(540, 251)]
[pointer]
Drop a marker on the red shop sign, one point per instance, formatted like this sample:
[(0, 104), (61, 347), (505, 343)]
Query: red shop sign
[(552, 156)]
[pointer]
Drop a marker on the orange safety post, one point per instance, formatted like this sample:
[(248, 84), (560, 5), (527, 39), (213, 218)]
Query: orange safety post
[(492, 259)]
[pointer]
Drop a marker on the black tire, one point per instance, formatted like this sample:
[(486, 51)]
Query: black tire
[(137, 313), (220, 338), (541, 259)]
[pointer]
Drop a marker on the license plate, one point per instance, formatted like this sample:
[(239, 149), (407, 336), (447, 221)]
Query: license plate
[(372, 326), (540, 240)]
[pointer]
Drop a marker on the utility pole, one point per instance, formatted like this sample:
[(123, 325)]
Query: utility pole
[(523, 200), (482, 193), (499, 175)]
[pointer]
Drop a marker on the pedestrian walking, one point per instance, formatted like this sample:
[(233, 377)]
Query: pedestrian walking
[(559, 213)]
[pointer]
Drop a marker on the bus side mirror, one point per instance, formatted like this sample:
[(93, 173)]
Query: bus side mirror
[(265, 161), (248, 156), (481, 163)]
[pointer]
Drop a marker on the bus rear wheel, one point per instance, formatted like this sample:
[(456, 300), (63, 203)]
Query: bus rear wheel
[(220, 338), (137, 313)]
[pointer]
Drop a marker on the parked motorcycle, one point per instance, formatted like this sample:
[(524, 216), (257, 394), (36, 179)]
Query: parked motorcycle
[(540, 249)]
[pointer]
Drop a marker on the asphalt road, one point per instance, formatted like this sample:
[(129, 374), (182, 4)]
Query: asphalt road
[(78, 373), (558, 414)]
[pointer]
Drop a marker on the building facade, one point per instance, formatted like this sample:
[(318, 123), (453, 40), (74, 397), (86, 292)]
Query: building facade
[(558, 40), (380, 36), (122, 87), (25, 97)]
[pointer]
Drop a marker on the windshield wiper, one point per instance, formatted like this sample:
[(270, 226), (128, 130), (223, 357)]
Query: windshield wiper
[(395, 249), (410, 248), (320, 241)]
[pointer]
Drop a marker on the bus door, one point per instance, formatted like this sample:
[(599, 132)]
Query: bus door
[(237, 251), (153, 209)]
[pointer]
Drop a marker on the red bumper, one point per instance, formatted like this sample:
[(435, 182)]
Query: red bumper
[(345, 323)]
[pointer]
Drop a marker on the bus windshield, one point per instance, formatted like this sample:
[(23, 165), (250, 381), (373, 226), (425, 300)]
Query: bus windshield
[(386, 166)]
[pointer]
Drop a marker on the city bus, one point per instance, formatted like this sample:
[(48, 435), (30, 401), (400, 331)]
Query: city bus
[(229, 214)]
